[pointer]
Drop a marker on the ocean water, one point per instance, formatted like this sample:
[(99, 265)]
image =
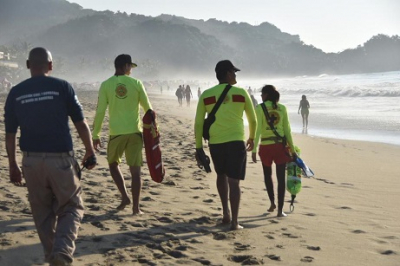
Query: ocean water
[(355, 107)]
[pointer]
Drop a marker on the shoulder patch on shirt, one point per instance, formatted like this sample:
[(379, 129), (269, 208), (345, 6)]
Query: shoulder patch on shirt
[(238, 98), (210, 100)]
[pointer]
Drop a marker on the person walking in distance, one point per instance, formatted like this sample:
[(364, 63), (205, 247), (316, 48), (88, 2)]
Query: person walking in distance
[(123, 95), (188, 94), (41, 106), (227, 135), (304, 107)]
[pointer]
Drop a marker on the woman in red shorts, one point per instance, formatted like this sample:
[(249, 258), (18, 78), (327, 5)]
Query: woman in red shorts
[(276, 143)]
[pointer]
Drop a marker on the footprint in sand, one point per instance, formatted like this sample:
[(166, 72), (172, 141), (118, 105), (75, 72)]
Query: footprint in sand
[(170, 183), (147, 199), (316, 248), (123, 227), (388, 252), (289, 235), (4, 208), (165, 220), (202, 220), (176, 254), (202, 260), (245, 259), (274, 257), (347, 184), (344, 208), (195, 241), (307, 259), (208, 200), (358, 231), (197, 188), (310, 214), (97, 239), (100, 226), (5, 242), (270, 237), (241, 247), (221, 236), (325, 181), (93, 207), (26, 211), (92, 200), (390, 237)]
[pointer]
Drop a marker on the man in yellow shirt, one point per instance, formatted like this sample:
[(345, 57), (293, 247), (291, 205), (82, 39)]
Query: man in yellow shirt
[(123, 95), (227, 146)]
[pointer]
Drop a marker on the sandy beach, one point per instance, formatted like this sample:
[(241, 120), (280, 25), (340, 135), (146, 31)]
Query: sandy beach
[(348, 214)]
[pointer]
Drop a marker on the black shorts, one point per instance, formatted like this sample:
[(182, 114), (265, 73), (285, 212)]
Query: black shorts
[(230, 159)]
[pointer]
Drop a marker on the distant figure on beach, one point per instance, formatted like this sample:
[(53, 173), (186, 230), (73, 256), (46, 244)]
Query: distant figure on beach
[(123, 95), (304, 108), (188, 94), (227, 146), (249, 91), (254, 100), (198, 92), (275, 134), (41, 106), (5, 85), (179, 94)]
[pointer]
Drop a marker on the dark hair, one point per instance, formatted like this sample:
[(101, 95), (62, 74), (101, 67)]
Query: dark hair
[(303, 97), (123, 59), (223, 67), (272, 94), (221, 75)]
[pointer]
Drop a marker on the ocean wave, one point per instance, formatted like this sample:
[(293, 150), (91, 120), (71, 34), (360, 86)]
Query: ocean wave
[(377, 90)]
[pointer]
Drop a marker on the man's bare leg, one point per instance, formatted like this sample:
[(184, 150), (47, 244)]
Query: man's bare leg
[(222, 186), (119, 181), (234, 198), (136, 189)]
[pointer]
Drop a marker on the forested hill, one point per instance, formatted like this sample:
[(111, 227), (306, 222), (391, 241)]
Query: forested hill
[(82, 39)]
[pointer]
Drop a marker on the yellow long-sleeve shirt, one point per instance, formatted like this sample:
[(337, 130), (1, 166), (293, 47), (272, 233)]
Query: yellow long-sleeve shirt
[(281, 123), (228, 125), (122, 95)]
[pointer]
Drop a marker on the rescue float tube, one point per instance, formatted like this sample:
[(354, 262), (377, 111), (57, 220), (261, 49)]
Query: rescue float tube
[(151, 138)]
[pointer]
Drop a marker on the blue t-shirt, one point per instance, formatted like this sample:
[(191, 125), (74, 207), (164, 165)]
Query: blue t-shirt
[(40, 106)]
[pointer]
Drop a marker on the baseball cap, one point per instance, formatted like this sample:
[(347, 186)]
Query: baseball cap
[(123, 59), (225, 65)]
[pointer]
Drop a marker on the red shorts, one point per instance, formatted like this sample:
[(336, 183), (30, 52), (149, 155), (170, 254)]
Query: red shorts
[(276, 153)]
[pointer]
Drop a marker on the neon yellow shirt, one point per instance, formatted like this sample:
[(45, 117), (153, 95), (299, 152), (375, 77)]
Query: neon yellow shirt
[(122, 95), (228, 125), (281, 123)]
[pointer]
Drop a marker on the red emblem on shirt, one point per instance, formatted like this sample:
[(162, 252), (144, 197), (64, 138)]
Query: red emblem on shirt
[(210, 100), (238, 98)]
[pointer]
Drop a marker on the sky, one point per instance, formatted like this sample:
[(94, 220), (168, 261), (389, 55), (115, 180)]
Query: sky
[(330, 25)]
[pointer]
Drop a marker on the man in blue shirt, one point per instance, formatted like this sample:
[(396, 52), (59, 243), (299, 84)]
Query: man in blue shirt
[(40, 107)]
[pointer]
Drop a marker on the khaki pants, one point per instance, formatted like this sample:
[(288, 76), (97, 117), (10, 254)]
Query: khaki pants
[(55, 198)]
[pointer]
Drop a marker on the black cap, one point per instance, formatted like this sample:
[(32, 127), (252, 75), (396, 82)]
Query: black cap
[(224, 66), (122, 60)]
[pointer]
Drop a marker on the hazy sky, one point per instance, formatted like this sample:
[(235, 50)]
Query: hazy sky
[(331, 25)]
